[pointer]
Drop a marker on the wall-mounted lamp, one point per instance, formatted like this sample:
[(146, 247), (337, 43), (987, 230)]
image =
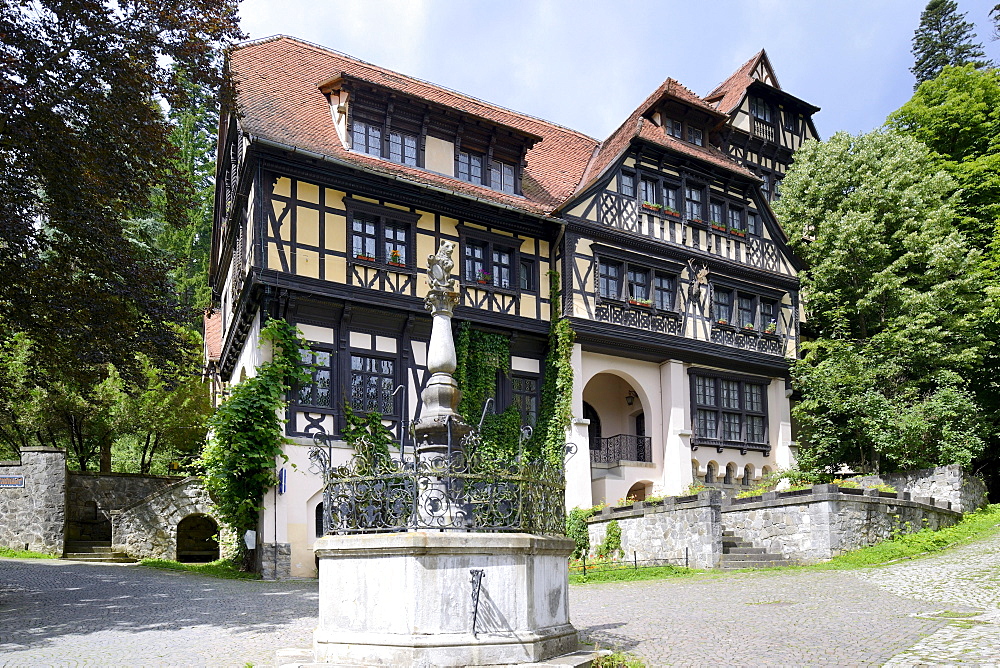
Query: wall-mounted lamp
[(631, 397)]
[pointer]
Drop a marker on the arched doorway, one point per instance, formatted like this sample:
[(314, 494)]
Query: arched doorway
[(197, 539), (594, 428)]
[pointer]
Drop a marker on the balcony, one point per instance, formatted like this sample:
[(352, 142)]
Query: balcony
[(621, 447), (763, 129), (623, 213), (720, 445)]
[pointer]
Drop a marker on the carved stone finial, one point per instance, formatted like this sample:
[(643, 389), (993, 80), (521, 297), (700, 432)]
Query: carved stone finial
[(442, 297)]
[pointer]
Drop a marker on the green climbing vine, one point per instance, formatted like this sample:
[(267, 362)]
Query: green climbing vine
[(247, 431), (369, 438), (556, 408), (482, 358)]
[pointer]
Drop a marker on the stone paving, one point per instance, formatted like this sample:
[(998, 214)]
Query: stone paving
[(940, 610)]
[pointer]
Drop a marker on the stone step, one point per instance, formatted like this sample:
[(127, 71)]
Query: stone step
[(753, 556), (77, 546), (736, 565), (743, 550), (106, 557)]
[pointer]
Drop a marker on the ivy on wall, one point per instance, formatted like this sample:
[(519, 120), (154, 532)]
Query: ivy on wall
[(247, 432), (556, 407), (369, 438)]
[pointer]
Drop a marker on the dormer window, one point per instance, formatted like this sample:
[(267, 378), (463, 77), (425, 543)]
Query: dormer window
[(469, 167), (760, 109), (367, 138), (403, 148), (675, 128), (502, 177), (696, 136)]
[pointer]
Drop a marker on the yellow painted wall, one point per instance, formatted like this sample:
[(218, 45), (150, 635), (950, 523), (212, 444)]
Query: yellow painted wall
[(439, 156)]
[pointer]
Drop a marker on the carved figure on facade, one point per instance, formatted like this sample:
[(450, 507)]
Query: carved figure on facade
[(698, 276)]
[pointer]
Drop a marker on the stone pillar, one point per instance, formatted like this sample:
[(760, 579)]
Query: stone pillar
[(34, 515)]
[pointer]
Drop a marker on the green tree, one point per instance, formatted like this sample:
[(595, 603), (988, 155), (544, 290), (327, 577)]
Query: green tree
[(893, 295), (957, 115), (83, 144), (943, 38)]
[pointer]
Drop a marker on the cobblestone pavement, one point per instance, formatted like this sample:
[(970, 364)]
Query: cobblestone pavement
[(941, 610), (58, 613)]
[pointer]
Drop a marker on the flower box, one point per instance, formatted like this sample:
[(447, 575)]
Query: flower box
[(484, 277), (641, 302), (721, 321), (483, 282), (366, 258), (737, 232), (397, 264), (672, 212), (652, 206), (718, 226)]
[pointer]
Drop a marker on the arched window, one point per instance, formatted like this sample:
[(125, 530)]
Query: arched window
[(730, 473), (319, 520), (710, 472), (747, 475)]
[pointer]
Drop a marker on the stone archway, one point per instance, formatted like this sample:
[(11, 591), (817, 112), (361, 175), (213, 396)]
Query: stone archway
[(197, 539)]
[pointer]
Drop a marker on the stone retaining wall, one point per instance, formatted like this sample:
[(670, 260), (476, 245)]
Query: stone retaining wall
[(35, 515), (148, 528), (676, 528), (90, 498), (827, 521), (805, 526), (965, 492)]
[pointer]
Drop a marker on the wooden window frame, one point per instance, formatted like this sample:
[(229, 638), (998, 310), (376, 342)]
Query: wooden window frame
[(490, 241), (384, 217), (698, 408), (352, 372), (311, 369)]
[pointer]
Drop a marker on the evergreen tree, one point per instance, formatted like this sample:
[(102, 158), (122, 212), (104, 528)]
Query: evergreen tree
[(943, 38)]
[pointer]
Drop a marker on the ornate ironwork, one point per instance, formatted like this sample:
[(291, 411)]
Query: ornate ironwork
[(463, 488), (621, 447)]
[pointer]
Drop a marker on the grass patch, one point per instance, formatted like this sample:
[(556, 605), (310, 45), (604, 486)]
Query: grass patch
[(619, 659), (980, 524), (222, 568), (24, 554), (627, 574)]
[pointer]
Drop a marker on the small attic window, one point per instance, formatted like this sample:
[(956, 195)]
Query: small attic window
[(696, 136)]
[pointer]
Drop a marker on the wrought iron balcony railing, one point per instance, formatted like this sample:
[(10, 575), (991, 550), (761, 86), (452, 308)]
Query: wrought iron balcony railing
[(621, 447)]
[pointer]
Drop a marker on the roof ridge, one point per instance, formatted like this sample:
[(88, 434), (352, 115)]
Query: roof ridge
[(452, 91)]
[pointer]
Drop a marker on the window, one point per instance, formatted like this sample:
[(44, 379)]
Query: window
[(760, 109), (525, 390), (791, 122), (710, 472), (753, 223), (675, 128), (526, 276), (746, 311), (319, 367), (502, 177), (696, 136), (367, 138), (502, 267), (476, 268), (377, 238), (647, 191), (403, 148), (769, 316), (729, 409), (488, 263), (638, 285), (626, 184), (610, 279), (373, 381), (777, 189), (735, 218), (730, 474), (363, 236), (470, 167), (715, 213), (766, 185), (747, 476), (670, 198), (663, 292), (723, 303), (395, 243), (693, 197)]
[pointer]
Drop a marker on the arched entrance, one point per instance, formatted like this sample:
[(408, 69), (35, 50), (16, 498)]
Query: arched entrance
[(619, 434), (197, 539)]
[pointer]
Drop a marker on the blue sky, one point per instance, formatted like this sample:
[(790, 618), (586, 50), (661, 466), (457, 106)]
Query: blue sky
[(587, 64)]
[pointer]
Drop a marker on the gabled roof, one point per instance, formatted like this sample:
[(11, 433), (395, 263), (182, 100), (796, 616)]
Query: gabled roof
[(637, 126), (279, 99), (728, 95)]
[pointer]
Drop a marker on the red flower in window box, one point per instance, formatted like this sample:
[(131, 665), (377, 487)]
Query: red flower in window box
[(396, 258)]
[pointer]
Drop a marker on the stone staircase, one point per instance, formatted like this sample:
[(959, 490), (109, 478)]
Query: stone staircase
[(737, 553), (95, 550)]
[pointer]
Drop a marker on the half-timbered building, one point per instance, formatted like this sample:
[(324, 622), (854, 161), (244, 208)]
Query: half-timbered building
[(337, 177)]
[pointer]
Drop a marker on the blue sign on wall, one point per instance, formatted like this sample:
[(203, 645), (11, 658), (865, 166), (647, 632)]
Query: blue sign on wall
[(11, 481)]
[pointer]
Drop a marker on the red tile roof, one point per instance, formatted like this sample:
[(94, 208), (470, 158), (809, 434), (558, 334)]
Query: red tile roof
[(728, 95), (279, 99), (213, 336)]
